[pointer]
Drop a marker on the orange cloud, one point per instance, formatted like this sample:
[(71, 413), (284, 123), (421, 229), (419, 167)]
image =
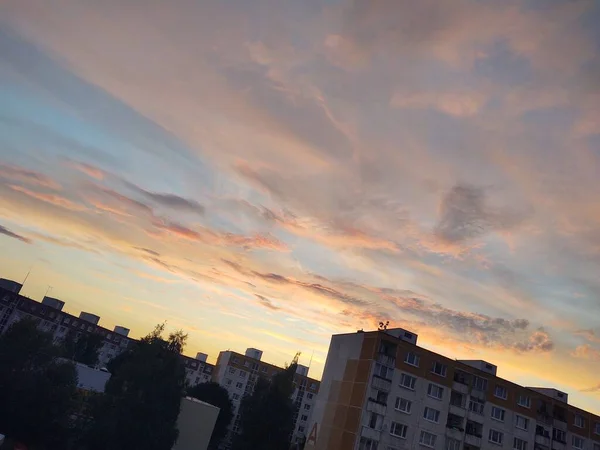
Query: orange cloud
[(53, 199), (27, 176)]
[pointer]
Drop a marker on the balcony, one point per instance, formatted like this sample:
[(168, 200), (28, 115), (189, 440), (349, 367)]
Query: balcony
[(370, 433), (460, 387), (386, 360), (376, 407), (558, 446), (458, 410), (381, 384), (542, 440), (454, 434), (560, 424), (473, 441)]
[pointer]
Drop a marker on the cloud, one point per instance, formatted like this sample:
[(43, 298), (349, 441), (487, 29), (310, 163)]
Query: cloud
[(453, 104), (170, 200), (27, 176), (464, 214), (6, 232), (586, 352), (148, 251), (592, 389), (539, 341), (54, 199), (88, 169), (264, 301), (589, 335)]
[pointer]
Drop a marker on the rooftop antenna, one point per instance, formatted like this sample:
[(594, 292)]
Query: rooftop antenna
[(27, 276), (311, 357), (383, 325), (48, 290)]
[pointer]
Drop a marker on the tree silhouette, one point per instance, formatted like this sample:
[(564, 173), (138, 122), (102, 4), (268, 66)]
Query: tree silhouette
[(142, 398), (36, 387), (84, 349), (215, 395), (267, 415)]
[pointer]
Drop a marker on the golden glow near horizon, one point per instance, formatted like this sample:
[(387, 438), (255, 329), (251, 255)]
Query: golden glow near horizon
[(266, 174)]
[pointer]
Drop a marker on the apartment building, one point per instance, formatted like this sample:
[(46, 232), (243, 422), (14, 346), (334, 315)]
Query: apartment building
[(238, 374), (380, 391), (197, 370), (51, 318)]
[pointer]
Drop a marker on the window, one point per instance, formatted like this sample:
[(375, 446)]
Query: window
[(398, 430), (242, 374), (519, 444), (439, 369), (232, 370), (304, 418), (427, 439), (435, 391), (480, 383), (496, 437), (367, 444), (559, 435), (239, 385), (236, 396), (264, 369), (376, 421), (433, 415), (382, 397), (498, 413), (307, 407), (577, 442), (524, 401), (384, 371), (500, 392), (521, 422), (408, 381), (597, 428), (300, 429), (228, 382), (412, 359), (579, 421), (313, 386), (452, 444), (476, 406), (403, 405), (309, 396), (236, 360), (246, 363)]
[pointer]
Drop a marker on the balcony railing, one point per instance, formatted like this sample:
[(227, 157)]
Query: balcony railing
[(381, 384), (386, 360)]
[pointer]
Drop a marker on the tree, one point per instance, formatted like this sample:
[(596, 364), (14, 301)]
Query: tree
[(36, 387), (215, 395), (267, 415), (142, 398), (84, 349)]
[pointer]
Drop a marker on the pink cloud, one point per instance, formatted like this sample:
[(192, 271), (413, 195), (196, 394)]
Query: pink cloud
[(27, 176), (53, 199)]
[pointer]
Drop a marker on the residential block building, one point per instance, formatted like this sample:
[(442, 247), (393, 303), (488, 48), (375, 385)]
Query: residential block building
[(238, 374), (380, 391), (51, 318)]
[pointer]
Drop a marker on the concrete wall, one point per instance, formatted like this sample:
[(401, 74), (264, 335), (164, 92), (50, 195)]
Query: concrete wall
[(195, 423)]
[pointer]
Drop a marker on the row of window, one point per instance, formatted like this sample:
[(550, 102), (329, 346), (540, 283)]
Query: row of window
[(437, 367)]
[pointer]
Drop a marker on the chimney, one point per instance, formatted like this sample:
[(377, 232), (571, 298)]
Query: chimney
[(88, 317), (121, 330), (53, 303)]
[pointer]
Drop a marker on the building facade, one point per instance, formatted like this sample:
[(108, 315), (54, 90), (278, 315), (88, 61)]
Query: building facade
[(51, 318), (380, 391), (238, 374)]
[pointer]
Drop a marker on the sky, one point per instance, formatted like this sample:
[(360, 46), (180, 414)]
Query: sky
[(268, 173)]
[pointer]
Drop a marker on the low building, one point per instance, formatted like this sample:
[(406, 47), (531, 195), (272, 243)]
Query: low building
[(195, 423), (238, 374), (380, 391)]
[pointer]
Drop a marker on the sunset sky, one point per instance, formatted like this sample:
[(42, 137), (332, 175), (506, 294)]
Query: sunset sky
[(267, 173)]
